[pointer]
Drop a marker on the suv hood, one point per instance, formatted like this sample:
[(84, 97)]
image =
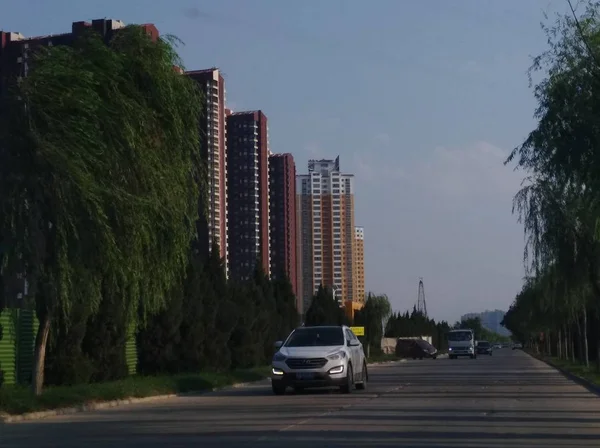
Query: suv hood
[(310, 352)]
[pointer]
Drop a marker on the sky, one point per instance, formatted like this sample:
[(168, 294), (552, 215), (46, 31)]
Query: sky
[(421, 99)]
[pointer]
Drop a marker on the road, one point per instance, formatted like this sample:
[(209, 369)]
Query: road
[(507, 400)]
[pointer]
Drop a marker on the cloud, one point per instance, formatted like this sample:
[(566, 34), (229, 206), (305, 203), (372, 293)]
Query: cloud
[(383, 139), (449, 173), (475, 170), (313, 149), (471, 67)]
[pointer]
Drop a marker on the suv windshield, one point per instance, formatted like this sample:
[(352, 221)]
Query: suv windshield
[(460, 336), (316, 337)]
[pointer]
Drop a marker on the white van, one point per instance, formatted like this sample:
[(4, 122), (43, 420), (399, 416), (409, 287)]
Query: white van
[(461, 343)]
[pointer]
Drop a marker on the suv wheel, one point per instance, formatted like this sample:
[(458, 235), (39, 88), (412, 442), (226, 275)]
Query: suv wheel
[(347, 388), (365, 377), (278, 389)]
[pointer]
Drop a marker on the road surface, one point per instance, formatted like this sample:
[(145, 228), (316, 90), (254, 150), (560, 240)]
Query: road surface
[(507, 400)]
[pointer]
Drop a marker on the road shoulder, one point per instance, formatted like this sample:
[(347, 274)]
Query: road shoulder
[(589, 385)]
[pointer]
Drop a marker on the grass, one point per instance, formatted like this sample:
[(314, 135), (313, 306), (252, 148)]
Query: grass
[(15, 400), (588, 373)]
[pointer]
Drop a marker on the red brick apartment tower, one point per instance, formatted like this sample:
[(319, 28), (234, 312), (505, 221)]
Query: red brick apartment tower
[(214, 152), (282, 205), (248, 193), (16, 50), (16, 58)]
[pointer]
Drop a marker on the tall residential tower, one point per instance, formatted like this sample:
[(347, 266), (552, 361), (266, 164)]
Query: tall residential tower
[(359, 269), (326, 230), (248, 193), (213, 226), (282, 197)]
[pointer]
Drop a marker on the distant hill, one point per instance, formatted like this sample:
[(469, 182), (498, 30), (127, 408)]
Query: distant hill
[(490, 320)]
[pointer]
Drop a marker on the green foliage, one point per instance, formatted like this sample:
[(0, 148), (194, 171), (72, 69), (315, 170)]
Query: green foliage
[(416, 324), (560, 203), (1, 336), (101, 196), (374, 316), (481, 333), (324, 310)]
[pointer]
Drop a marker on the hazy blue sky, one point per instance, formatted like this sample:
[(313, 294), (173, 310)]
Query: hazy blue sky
[(421, 99)]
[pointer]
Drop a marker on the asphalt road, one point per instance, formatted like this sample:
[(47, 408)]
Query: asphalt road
[(507, 400)]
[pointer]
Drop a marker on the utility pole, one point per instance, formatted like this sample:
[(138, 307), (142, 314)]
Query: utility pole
[(421, 305)]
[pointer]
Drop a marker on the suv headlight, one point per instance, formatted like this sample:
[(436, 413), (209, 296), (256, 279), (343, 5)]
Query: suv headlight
[(336, 356), (278, 357)]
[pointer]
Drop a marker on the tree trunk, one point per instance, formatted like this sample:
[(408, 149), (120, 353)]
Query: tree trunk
[(586, 349), (566, 341), (559, 344), (572, 342), (579, 340), (39, 360)]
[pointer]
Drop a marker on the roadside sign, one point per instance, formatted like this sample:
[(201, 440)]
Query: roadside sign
[(358, 331)]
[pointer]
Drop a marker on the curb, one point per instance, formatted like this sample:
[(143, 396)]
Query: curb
[(93, 406), (590, 386), (383, 363)]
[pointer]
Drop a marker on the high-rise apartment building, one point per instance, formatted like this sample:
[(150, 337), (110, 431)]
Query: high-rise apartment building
[(282, 203), (248, 193), (326, 230), (17, 56), (212, 223), (16, 50), (358, 300)]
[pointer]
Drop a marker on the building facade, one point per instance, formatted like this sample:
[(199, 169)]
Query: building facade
[(212, 223), (282, 204), (16, 61), (248, 193), (359, 264), (16, 50), (326, 230)]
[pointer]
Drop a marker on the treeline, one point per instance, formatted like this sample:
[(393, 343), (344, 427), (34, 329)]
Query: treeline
[(481, 333), (557, 310), (416, 324), (209, 324), (102, 191)]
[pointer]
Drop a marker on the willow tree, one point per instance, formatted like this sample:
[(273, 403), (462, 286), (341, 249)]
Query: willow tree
[(100, 176), (561, 207)]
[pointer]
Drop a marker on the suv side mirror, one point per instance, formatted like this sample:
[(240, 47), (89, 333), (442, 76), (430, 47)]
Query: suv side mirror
[(354, 343), (278, 344)]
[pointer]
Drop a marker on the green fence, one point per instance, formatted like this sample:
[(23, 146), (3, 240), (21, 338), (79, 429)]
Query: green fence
[(16, 347), (131, 353)]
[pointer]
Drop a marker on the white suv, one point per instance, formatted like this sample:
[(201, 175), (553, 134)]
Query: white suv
[(319, 357)]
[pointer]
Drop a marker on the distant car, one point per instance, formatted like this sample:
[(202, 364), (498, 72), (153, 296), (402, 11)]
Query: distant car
[(322, 356), (415, 348), (484, 348), (517, 345), (497, 346)]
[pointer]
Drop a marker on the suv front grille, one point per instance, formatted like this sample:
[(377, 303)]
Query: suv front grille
[(305, 363)]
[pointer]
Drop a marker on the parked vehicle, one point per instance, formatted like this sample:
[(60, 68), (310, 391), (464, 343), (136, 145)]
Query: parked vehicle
[(321, 356), (461, 343), (415, 348), (517, 345), (484, 348)]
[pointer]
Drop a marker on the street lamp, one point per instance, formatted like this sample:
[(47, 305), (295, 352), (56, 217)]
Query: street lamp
[(334, 291)]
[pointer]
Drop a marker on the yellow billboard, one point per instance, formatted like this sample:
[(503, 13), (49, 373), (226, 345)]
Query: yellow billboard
[(358, 331)]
